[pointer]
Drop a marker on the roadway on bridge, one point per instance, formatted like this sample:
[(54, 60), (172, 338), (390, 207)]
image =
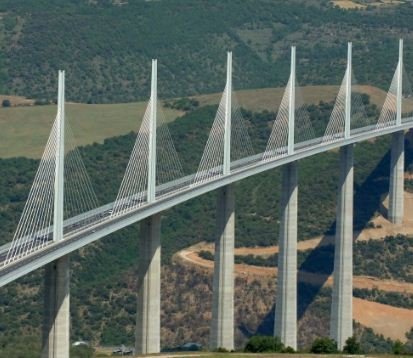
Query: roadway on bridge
[(99, 224)]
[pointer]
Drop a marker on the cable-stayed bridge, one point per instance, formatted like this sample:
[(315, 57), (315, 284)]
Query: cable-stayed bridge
[(62, 213)]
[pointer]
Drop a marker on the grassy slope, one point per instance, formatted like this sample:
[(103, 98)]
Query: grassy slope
[(270, 98), (24, 130)]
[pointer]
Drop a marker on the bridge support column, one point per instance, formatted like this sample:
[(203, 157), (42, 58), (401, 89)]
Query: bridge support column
[(148, 318), (396, 192), (56, 324), (341, 323), (222, 324), (285, 324)]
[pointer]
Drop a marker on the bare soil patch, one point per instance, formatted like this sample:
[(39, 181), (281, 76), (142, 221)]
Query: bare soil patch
[(347, 4), (391, 322), (17, 100)]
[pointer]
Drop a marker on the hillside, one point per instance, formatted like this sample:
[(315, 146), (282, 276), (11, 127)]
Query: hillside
[(111, 63)]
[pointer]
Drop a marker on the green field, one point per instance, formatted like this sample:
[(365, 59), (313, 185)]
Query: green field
[(24, 130)]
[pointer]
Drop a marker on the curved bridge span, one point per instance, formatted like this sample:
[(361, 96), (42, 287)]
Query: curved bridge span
[(153, 182), (102, 227)]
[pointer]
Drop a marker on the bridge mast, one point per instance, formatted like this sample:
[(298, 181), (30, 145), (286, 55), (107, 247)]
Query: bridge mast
[(60, 154), (396, 192), (341, 321), (56, 323), (347, 121), (152, 135), (228, 113), (222, 322), (285, 322), (291, 109), (400, 85), (148, 313)]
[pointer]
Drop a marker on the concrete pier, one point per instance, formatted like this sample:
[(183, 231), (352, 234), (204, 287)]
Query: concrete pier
[(56, 324), (148, 315), (222, 324), (285, 324), (396, 190), (341, 324)]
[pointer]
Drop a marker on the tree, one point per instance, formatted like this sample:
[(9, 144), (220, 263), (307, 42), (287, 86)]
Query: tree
[(409, 344), (352, 346), (81, 352), (288, 350), (257, 344), (324, 345), (6, 103), (41, 102), (398, 348)]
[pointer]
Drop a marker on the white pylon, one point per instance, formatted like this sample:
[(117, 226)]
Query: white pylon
[(347, 111), (399, 86), (228, 112), (291, 105), (152, 135), (60, 155)]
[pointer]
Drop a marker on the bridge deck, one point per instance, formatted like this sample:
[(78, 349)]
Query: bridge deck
[(100, 221)]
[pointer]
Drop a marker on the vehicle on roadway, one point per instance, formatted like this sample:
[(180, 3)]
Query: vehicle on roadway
[(123, 351)]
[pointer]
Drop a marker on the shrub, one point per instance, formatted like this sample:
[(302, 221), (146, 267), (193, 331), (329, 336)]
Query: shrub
[(324, 345), (81, 352), (288, 350), (183, 104), (399, 348), (352, 346), (41, 102), (222, 350), (206, 255), (258, 344), (6, 103)]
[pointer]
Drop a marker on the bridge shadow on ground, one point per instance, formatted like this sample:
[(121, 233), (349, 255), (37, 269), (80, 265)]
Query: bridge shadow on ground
[(367, 201)]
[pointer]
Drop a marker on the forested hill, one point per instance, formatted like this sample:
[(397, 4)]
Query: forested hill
[(106, 45)]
